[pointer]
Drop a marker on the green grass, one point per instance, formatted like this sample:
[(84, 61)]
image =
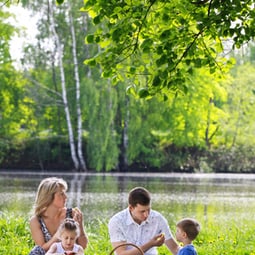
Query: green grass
[(218, 236)]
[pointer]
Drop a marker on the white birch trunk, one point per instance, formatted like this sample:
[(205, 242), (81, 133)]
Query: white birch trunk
[(63, 86), (77, 82), (85, 28)]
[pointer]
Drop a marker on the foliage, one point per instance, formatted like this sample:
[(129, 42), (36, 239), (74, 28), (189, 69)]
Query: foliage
[(51, 152), (16, 108), (228, 160), (15, 235), (240, 105), (217, 237), (165, 41), (169, 49), (100, 109)]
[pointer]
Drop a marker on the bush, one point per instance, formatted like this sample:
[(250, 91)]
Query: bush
[(39, 153)]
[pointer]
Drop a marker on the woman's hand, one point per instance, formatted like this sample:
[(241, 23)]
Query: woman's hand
[(77, 215)]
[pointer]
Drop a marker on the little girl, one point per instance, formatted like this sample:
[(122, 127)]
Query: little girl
[(68, 233)]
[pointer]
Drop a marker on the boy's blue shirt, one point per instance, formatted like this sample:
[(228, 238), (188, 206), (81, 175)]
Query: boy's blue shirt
[(187, 250)]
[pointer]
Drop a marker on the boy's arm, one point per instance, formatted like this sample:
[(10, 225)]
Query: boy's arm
[(172, 245)]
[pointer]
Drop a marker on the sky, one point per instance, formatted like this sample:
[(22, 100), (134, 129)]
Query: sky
[(26, 22)]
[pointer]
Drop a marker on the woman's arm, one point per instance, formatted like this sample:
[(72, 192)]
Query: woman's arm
[(37, 234), (52, 249), (83, 238)]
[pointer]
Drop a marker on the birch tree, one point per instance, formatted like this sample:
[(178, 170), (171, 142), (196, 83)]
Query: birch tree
[(77, 82), (59, 47)]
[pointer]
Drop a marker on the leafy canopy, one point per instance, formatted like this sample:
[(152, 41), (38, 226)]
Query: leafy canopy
[(157, 44)]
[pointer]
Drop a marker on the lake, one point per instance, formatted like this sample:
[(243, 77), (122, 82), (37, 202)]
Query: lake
[(213, 197)]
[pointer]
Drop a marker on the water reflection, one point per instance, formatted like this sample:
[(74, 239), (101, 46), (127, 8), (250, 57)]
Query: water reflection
[(175, 195)]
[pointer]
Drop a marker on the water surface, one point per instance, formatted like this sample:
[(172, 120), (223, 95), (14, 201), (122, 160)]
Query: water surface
[(204, 196)]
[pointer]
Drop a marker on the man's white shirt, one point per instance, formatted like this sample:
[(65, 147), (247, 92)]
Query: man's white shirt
[(122, 228)]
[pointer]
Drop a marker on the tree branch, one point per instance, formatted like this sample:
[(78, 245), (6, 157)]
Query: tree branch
[(200, 2), (140, 28), (187, 49), (6, 2)]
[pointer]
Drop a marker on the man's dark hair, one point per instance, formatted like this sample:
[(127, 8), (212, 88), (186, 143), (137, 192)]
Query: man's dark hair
[(139, 195)]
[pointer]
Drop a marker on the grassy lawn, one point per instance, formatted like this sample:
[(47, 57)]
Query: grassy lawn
[(218, 236)]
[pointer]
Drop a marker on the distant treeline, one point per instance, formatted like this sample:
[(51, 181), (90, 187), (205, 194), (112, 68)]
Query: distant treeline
[(54, 154)]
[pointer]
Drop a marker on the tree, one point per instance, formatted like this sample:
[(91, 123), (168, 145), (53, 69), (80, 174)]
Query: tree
[(102, 144), (56, 48), (16, 108), (165, 40), (239, 126), (78, 85), (59, 49)]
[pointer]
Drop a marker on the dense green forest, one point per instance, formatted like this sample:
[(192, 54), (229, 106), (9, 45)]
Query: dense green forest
[(129, 86)]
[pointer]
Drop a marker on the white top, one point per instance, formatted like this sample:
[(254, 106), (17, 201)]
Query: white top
[(62, 251), (122, 227)]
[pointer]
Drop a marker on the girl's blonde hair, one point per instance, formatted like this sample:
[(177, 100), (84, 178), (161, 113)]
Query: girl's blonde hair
[(45, 193)]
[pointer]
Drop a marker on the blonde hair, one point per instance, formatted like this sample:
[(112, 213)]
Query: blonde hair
[(45, 193)]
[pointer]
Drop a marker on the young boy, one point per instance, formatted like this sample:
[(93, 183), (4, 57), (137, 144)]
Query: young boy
[(187, 230), (68, 233)]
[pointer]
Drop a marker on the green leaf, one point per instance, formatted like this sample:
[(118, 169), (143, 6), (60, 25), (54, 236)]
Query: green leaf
[(97, 20), (132, 69), (107, 73), (116, 35), (198, 62), (161, 61), (156, 81), (146, 43), (90, 62), (60, 1), (143, 93), (89, 38), (165, 34), (131, 90)]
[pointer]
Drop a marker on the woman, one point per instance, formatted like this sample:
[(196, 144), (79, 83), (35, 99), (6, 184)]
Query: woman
[(50, 212)]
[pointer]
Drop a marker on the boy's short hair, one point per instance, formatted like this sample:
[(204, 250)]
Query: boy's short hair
[(190, 226), (139, 195)]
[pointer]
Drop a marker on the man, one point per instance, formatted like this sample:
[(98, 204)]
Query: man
[(140, 225)]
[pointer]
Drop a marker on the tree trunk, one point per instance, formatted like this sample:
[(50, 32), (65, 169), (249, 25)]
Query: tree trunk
[(123, 164), (63, 86), (208, 122), (77, 82)]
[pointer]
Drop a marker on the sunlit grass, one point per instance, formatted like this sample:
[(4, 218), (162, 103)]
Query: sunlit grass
[(15, 238), (220, 235)]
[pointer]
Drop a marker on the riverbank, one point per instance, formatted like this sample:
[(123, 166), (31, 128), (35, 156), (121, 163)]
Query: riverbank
[(220, 176)]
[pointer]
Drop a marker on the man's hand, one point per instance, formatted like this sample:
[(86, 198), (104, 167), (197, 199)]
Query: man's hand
[(158, 240)]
